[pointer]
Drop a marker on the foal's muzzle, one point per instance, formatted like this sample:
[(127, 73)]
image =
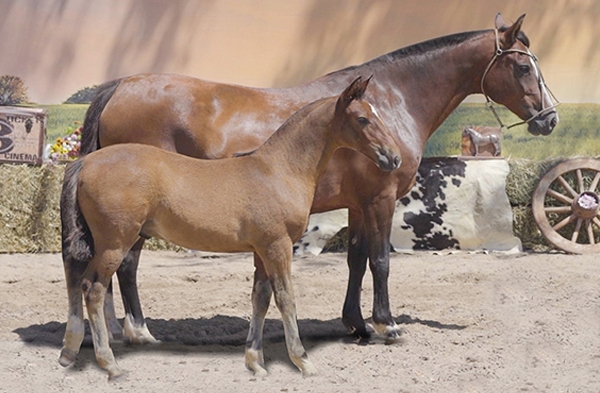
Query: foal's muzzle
[(387, 160)]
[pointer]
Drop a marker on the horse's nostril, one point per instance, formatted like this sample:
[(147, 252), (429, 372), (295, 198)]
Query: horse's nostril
[(397, 161), (553, 122)]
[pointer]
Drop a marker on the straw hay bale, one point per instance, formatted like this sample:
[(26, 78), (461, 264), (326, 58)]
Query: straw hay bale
[(30, 214)]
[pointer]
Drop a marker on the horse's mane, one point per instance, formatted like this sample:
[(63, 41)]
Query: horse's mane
[(437, 43), (434, 44)]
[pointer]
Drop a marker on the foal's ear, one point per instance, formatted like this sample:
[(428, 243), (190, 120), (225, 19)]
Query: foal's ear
[(508, 34), (355, 91)]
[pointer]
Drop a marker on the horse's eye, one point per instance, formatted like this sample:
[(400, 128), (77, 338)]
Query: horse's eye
[(363, 121), (525, 69)]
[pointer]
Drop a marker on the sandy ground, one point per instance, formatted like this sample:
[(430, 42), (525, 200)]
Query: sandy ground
[(472, 323)]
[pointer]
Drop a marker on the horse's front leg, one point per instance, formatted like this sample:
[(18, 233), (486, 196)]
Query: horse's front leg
[(357, 264), (261, 297), (378, 225), (135, 329)]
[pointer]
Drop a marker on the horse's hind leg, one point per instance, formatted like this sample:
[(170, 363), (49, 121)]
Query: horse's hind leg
[(74, 331), (277, 262), (261, 297), (95, 281), (135, 329), (115, 330)]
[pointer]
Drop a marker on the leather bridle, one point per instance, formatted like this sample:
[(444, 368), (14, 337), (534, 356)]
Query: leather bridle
[(541, 83)]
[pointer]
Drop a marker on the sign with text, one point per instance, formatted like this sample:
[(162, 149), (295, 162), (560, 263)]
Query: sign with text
[(22, 134)]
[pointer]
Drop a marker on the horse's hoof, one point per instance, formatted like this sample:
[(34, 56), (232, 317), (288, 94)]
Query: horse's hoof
[(67, 357), (359, 332), (394, 337), (391, 334), (142, 340)]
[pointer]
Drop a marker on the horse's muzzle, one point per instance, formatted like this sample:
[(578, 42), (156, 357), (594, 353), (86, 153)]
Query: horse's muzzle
[(543, 125)]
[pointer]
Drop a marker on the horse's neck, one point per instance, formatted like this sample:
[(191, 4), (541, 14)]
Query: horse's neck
[(303, 145), (415, 93)]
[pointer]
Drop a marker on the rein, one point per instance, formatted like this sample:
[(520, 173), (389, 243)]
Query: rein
[(541, 83)]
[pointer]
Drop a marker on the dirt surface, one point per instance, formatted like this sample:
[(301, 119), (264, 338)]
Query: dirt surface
[(472, 323)]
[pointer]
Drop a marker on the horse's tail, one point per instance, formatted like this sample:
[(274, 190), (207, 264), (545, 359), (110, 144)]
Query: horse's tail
[(77, 241), (90, 140)]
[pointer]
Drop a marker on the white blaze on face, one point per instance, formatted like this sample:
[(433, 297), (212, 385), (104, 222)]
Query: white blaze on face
[(546, 100), (375, 112)]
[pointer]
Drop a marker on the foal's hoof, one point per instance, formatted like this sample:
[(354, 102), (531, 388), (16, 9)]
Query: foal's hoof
[(308, 369), (257, 369), (67, 357), (116, 375), (255, 362)]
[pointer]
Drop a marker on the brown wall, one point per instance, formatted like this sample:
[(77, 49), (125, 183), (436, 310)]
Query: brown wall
[(60, 46)]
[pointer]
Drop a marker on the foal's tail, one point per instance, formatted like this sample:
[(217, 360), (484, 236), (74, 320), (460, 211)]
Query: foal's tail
[(77, 241), (90, 140)]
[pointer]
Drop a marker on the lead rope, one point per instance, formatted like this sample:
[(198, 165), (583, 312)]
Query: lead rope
[(541, 82)]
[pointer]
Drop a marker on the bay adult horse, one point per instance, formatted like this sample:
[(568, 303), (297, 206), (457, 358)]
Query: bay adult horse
[(415, 89), (258, 202)]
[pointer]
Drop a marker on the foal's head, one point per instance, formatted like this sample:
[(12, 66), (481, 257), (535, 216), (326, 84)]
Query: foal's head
[(514, 79), (363, 130)]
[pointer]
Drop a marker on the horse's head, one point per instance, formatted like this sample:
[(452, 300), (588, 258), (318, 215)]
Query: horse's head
[(363, 130), (513, 79)]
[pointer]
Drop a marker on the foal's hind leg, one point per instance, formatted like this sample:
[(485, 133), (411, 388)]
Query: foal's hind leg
[(135, 329), (74, 331), (261, 297), (277, 262), (95, 281)]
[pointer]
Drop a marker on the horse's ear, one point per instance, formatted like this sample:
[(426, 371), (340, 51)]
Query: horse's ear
[(508, 35), (500, 22), (355, 91)]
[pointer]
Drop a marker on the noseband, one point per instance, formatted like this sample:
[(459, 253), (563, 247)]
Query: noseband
[(541, 83)]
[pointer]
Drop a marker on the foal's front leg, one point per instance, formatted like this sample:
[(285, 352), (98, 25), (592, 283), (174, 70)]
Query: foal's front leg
[(277, 262), (261, 297)]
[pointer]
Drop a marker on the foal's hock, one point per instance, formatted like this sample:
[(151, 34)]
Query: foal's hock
[(257, 202)]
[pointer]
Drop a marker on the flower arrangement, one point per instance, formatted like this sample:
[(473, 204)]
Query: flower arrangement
[(66, 148)]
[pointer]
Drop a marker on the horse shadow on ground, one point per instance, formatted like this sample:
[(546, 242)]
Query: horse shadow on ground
[(219, 334)]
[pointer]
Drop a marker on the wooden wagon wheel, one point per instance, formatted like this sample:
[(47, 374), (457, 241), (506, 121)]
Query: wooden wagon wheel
[(566, 206)]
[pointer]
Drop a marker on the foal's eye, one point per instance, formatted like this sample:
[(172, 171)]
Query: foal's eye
[(363, 121), (525, 69)]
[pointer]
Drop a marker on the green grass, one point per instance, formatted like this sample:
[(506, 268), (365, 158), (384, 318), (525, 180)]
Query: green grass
[(61, 118), (578, 132)]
